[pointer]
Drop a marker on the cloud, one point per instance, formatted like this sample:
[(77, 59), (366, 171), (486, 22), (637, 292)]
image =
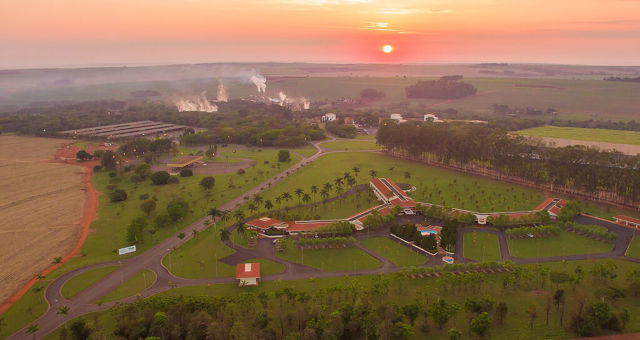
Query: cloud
[(406, 11), (324, 2)]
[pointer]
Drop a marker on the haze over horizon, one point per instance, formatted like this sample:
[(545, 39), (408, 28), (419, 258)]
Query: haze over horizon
[(40, 33)]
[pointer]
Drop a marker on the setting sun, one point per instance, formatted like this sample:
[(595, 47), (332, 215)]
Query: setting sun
[(387, 49)]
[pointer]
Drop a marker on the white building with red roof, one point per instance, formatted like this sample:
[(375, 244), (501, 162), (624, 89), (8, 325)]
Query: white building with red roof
[(389, 192), (263, 224), (248, 274), (627, 221)]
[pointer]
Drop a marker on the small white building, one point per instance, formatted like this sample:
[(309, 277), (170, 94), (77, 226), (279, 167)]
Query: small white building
[(397, 117), (329, 117), (431, 118)]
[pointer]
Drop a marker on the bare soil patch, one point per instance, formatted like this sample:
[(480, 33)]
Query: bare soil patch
[(42, 206), (627, 149)]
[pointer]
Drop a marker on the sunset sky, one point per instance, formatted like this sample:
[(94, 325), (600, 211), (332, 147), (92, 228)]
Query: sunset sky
[(43, 33)]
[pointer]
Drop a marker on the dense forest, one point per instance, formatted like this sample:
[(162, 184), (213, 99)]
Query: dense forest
[(342, 130), (579, 167), (236, 122), (440, 89)]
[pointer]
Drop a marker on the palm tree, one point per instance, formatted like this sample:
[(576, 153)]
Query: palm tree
[(37, 290), (224, 235), (346, 176), (257, 199), (63, 310), (355, 170), (372, 173), (351, 182), (268, 205), (215, 212), (306, 198), (278, 200), (286, 196), (252, 207), (32, 329), (314, 191), (299, 193), (324, 193), (238, 215), (327, 186), (338, 181), (242, 228)]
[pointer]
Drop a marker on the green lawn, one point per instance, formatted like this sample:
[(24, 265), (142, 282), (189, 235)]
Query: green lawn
[(593, 135), (340, 208), (634, 248), (351, 145), (82, 281), (26, 310), (133, 286), (267, 267), (394, 252), (481, 246), (563, 244), (338, 259), (366, 137)]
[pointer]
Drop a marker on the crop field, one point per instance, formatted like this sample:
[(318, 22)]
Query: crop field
[(42, 204), (563, 244), (584, 134), (482, 247), (394, 252)]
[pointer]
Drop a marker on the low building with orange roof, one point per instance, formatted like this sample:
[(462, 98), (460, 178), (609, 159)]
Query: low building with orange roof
[(248, 274)]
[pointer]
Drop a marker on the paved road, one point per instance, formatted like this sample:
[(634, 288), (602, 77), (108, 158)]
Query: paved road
[(83, 303)]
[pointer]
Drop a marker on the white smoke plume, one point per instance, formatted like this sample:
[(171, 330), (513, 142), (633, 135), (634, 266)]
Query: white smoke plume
[(296, 104), (305, 103), (259, 81), (222, 92), (283, 98), (199, 103)]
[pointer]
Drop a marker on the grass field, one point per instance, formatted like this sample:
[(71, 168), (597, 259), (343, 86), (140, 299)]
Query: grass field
[(366, 137), (348, 145), (394, 252), (28, 308), (338, 259), (81, 281), (480, 246), (133, 286), (516, 325), (634, 248), (594, 135), (565, 243)]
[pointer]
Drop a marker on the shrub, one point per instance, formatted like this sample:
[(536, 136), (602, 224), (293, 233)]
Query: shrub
[(143, 170), (83, 155), (160, 177), (177, 209), (97, 168), (208, 182), (136, 179), (173, 180), (186, 173), (284, 156), (118, 195), (112, 174), (143, 197), (128, 167), (241, 171)]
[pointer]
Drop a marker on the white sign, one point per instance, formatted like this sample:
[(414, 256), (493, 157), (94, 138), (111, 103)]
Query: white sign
[(126, 250)]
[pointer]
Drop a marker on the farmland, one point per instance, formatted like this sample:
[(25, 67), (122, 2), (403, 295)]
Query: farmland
[(584, 134), (42, 204)]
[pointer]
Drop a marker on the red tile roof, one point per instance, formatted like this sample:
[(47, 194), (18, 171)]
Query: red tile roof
[(265, 223), (544, 203), (377, 183), (555, 210), (627, 218), (403, 204), (247, 270)]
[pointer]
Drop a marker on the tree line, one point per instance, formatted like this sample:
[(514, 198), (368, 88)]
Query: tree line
[(578, 167)]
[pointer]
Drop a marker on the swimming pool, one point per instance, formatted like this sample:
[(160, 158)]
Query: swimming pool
[(427, 232)]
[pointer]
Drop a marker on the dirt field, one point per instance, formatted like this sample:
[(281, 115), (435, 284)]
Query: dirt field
[(627, 149), (42, 204)]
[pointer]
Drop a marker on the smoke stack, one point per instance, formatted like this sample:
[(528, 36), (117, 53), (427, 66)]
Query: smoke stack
[(222, 92)]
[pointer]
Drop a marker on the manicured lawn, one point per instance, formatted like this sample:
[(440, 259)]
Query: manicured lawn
[(634, 248), (481, 246), (338, 259), (394, 252), (563, 244), (351, 145), (133, 286), (340, 208), (81, 281), (366, 137), (267, 267), (593, 135), (26, 310)]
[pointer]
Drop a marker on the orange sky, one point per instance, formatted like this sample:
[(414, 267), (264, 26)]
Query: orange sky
[(93, 32)]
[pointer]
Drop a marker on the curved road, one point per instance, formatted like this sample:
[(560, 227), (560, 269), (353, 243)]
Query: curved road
[(84, 302)]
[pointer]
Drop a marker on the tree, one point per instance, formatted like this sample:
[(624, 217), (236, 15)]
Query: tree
[(284, 156), (57, 259), (440, 312), (63, 310), (372, 94), (242, 228), (143, 170), (238, 215), (83, 155), (135, 229), (252, 207), (454, 334), (148, 207), (533, 313), (118, 195), (160, 177), (177, 209), (268, 205), (224, 235), (80, 330), (372, 173), (480, 324), (208, 182), (501, 312), (314, 191), (215, 213), (32, 329), (306, 198), (108, 160), (186, 173)]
